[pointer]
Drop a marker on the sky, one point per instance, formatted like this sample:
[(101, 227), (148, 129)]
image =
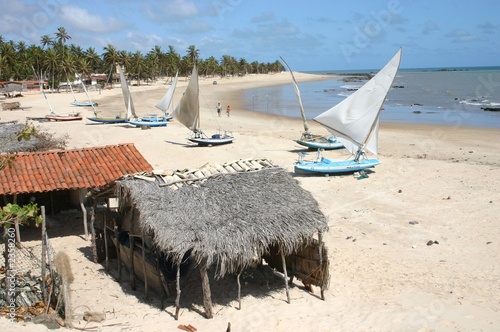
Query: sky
[(310, 35)]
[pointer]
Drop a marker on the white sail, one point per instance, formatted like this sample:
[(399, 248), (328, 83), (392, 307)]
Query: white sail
[(187, 111), (127, 98), (355, 120), (164, 102)]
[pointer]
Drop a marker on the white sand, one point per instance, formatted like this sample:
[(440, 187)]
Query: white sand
[(384, 277)]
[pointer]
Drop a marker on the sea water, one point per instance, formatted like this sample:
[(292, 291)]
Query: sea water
[(450, 96)]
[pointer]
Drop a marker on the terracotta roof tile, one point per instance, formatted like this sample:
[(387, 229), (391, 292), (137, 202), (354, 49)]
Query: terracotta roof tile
[(70, 169)]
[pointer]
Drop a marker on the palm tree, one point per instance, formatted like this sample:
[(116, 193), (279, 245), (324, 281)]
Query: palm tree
[(51, 62), (243, 66), (94, 60), (46, 41), (211, 66), (110, 57), (62, 35), (193, 53), (173, 60), (157, 56), (7, 56)]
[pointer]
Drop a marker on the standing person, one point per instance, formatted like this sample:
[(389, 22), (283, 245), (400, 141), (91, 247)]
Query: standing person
[(228, 110), (219, 108)]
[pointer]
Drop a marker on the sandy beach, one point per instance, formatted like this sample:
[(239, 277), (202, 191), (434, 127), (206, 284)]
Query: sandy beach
[(435, 183)]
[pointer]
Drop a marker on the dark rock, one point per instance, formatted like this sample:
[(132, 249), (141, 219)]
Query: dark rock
[(430, 243)]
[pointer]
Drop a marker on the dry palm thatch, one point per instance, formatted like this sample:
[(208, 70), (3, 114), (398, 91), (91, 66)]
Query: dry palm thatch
[(228, 220)]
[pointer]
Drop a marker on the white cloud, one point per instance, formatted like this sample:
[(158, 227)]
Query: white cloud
[(81, 19), (462, 36)]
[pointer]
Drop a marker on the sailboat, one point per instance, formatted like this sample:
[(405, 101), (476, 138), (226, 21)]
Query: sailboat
[(127, 98), (57, 117), (308, 139), (188, 113), (153, 120), (355, 122), (88, 103)]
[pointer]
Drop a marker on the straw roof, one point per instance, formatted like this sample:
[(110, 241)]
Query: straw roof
[(228, 220)]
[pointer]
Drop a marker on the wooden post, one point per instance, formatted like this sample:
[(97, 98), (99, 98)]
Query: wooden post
[(178, 290), (44, 248), (286, 277), (207, 296), (320, 246), (239, 289), (92, 231), (106, 242), (144, 267), (118, 254), (164, 288), (132, 268), (84, 212)]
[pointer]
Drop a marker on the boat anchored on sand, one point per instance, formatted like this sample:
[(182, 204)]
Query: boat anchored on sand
[(355, 123), (153, 120), (308, 139), (187, 112), (127, 98)]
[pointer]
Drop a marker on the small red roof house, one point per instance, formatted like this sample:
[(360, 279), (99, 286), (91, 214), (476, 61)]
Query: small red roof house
[(58, 178)]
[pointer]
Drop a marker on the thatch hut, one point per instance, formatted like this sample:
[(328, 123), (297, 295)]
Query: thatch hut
[(225, 221)]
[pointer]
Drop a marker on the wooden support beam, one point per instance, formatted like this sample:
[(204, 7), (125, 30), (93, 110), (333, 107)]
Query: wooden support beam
[(285, 277), (132, 268), (84, 212), (44, 248), (178, 291), (239, 289), (207, 296), (144, 268), (320, 246), (106, 242)]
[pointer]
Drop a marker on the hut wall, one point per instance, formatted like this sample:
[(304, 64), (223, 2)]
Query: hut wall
[(304, 264)]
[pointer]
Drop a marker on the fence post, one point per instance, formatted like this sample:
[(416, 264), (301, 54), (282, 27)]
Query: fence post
[(44, 248)]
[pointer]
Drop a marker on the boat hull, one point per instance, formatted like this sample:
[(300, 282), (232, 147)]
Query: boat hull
[(214, 140), (87, 104), (140, 123), (325, 144), (108, 120), (326, 166), (63, 118)]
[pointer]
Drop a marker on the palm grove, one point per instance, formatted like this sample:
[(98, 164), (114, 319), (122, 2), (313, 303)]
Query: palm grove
[(55, 60)]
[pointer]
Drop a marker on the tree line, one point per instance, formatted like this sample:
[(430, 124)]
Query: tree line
[(57, 61)]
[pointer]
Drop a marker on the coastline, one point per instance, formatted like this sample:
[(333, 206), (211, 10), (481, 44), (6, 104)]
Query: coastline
[(384, 276)]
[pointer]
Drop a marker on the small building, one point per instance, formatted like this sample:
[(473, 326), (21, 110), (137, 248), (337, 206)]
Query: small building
[(60, 179), (223, 217)]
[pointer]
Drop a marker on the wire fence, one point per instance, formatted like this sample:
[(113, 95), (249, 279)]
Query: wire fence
[(30, 284)]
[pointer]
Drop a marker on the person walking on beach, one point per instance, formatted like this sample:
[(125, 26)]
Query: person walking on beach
[(219, 108), (228, 110)]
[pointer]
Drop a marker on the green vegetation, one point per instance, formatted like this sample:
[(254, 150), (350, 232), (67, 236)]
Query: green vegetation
[(11, 213), (55, 59)]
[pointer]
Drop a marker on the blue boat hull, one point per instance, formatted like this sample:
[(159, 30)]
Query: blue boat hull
[(148, 123), (326, 166)]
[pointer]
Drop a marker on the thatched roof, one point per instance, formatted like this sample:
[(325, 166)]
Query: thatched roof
[(229, 219)]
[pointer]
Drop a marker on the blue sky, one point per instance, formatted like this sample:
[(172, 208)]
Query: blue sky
[(309, 35)]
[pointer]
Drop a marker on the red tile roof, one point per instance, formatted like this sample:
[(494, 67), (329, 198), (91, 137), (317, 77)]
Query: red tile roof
[(70, 169)]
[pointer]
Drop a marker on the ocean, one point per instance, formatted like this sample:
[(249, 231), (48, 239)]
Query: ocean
[(449, 96)]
